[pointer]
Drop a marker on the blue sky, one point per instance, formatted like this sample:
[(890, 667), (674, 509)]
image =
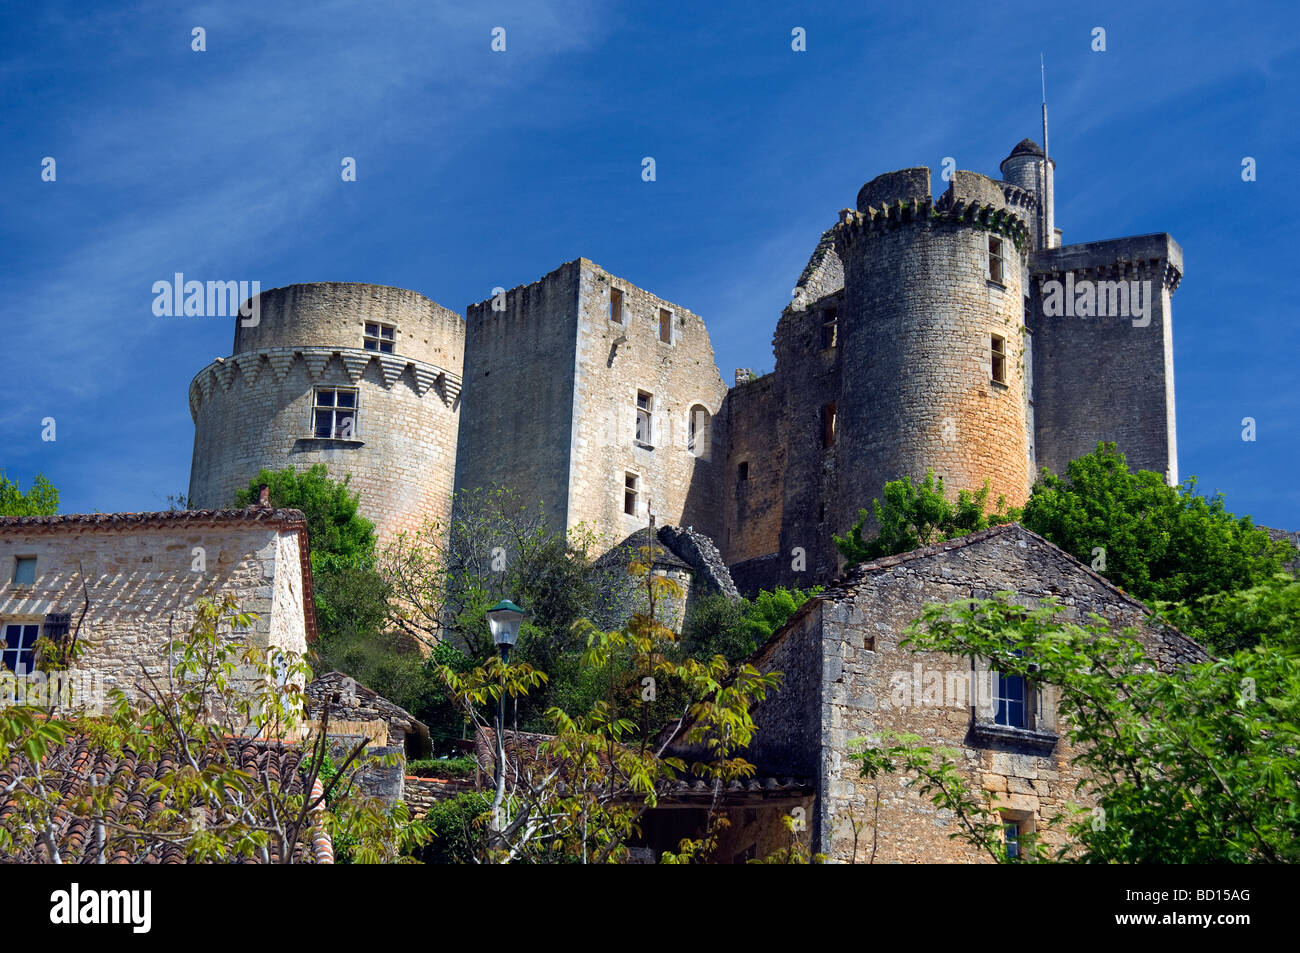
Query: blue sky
[(478, 169)]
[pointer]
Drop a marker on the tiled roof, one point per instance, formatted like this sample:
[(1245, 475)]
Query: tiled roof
[(78, 765), (249, 514)]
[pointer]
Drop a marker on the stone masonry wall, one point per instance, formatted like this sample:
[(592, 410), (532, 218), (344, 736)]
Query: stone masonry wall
[(861, 633), (401, 462), (517, 408), (755, 424)]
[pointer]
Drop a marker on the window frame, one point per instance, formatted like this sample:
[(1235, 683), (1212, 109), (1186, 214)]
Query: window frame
[(333, 409), (666, 327), (379, 338), (645, 413), (631, 492), (830, 329), (616, 304), (998, 359), (830, 426), (23, 651), (20, 561), (997, 254)]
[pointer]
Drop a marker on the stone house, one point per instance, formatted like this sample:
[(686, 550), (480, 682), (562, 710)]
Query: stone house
[(124, 585), (846, 678)]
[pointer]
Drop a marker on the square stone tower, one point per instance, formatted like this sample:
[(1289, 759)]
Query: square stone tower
[(595, 398)]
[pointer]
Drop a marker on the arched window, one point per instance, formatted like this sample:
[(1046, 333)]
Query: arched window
[(699, 433)]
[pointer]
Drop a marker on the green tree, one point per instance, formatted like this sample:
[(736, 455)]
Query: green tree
[(212, 803), (913, 515), (41, 499), (734, 628), (340, 537), (1197, 765), (351, 596), (1155, 541), (581, 798)]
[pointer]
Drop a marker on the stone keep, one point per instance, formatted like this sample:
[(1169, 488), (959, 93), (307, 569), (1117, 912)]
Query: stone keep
[(264, 405)]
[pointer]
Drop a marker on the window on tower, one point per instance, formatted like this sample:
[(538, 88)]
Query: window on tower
[(631, 490), (380, 337), (644, 419), (334, 414), (830, 328), (998, 357), (997, 263)]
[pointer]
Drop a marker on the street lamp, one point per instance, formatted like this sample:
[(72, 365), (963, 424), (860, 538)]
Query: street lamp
[(504, 620)]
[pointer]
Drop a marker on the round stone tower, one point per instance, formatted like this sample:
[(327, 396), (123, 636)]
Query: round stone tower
[(362, 378), (1025, 168), (933, 359)]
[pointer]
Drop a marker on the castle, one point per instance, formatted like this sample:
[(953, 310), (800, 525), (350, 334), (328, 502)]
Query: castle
[(955, 333)]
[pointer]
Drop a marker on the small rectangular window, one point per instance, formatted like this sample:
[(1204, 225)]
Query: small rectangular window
[(742, 471), (631, 489), (828, 426), (1011, 837), (997, 264), (24, 571), (616, 305), (644, 418), (1011, 698), (19, 647), (380, 337), (830, 328), (335, 413), (998, 349), (665, 326)]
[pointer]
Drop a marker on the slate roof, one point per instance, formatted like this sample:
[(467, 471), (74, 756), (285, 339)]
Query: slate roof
[(1026, 147)]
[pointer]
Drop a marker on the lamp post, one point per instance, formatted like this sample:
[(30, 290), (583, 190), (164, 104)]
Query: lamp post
[(504, 620)]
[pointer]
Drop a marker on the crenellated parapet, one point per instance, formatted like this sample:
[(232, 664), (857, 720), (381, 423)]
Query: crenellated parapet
[(1157, 258), (857, 226), (391, 371)]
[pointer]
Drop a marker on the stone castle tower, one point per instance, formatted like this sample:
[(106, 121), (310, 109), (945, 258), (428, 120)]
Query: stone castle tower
[(362, 378), (924, 333)]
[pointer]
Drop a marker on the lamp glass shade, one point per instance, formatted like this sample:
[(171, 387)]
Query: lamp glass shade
[(504, 620)]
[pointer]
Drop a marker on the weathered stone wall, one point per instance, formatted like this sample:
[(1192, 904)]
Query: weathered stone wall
[(754, 415), (1107, 378), (679, 483), (811, 376), (517, 408), (142, 584), (254, 409)]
